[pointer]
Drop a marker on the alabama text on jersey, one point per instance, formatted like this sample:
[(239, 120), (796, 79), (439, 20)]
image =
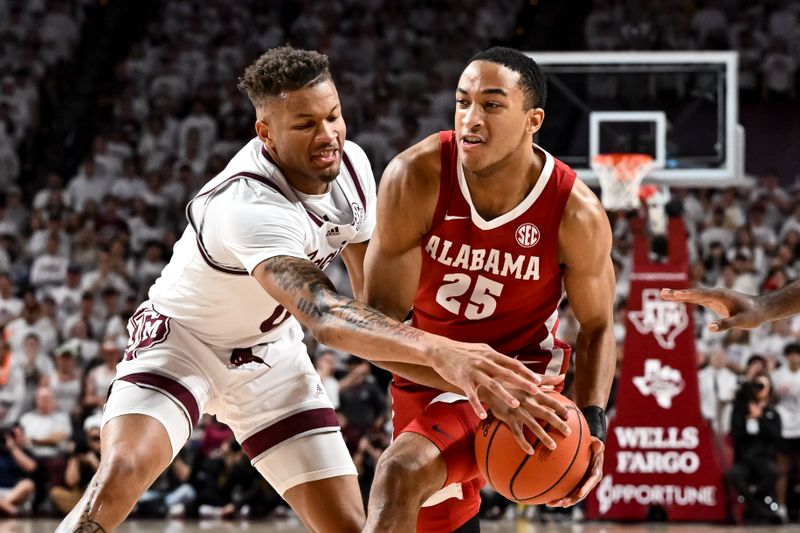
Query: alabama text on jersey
[(496, 281)]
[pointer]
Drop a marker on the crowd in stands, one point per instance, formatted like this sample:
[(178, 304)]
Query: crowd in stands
[(77, 257), (766, 35)]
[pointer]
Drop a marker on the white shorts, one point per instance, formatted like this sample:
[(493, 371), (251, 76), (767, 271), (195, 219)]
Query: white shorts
[(270, 396)]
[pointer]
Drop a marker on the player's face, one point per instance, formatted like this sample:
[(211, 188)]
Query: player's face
[(490, 121), (305, 132)]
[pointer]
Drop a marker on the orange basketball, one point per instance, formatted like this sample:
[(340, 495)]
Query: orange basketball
[(542, 477)]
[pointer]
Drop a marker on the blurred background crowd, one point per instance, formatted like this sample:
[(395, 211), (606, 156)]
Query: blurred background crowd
[(113, 114)]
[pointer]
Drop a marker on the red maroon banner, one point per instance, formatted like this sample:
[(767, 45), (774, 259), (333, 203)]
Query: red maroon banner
[(660, 452)]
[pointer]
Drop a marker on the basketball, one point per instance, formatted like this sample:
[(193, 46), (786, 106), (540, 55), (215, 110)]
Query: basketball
[(545, 476)]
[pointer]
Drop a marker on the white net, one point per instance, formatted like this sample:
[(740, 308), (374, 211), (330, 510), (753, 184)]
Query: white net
[(620, 177)]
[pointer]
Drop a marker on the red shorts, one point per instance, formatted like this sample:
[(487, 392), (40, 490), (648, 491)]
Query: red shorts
[(451, 427)]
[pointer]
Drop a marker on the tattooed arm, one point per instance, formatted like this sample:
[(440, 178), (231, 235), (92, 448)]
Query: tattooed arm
[(352, 326)]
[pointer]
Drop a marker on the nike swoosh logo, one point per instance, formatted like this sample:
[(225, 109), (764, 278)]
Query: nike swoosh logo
[(437, 429), (453, 217)]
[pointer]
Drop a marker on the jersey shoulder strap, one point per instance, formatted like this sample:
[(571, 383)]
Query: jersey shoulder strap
[(448, 152)]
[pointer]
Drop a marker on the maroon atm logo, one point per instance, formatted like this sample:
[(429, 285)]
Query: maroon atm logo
[(527, 235), (148, 329), (665, 320)]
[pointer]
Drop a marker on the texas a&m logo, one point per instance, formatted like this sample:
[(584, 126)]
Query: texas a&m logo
[(358, 215), (660, 381), (665, 320), (148, 328), (527, 235)]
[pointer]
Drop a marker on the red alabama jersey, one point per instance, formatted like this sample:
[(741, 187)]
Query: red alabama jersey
[(496, 281)]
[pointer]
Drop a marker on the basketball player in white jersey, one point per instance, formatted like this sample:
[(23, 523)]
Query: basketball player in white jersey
[(221, 332)]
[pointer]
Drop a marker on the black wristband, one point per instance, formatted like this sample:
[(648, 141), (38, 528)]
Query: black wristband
[(596, 420)]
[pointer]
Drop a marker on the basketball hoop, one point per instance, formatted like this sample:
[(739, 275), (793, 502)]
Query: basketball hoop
[(620, 177)]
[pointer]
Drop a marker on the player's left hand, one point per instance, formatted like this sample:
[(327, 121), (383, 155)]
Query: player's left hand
[(592, 477)]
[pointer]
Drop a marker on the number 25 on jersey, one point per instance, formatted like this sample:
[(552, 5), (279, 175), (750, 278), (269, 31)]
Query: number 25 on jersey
[(482, 300)]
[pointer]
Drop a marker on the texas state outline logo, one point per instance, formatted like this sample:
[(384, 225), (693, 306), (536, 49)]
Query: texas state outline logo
[(665, 320)]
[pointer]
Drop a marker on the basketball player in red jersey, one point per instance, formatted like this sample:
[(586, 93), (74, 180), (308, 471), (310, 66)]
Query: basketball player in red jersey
[(478, 230)]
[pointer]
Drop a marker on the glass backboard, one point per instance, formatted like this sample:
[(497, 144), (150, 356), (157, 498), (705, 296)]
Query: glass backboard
[(679, 107)]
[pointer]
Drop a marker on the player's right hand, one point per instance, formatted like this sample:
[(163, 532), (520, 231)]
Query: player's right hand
[(478, 370), (737, 310), (535, 411)]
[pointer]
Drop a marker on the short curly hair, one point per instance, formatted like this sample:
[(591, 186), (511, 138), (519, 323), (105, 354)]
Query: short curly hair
[(283, 69)]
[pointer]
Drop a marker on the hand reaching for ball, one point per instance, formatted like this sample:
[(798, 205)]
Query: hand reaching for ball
[(593, 476)]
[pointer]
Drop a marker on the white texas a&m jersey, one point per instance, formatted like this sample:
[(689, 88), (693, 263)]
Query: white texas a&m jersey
[(245, 215)]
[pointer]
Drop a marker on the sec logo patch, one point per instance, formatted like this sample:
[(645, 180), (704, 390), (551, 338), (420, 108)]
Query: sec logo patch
[(527, 235)]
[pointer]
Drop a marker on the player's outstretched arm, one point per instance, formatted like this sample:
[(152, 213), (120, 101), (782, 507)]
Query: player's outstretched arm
[(352, 326), (738, 310), (585, 244)]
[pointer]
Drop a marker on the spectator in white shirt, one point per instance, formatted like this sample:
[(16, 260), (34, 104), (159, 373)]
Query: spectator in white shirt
[(88, 314), (84, 247), (99, 378), (67, 295), (15, 211), (87, 348), (55, 188), (772, 345), (104, 276), (157, 144), (763, 234), (130, 184), (117, 325), (151, 265), (746, 280), (108, 164), (86, 186), (201, 122), (36, 365), (718, 385), (47, 429), (145, 227), (110, 304), (738, 350), (715, 262), (50, 268), (37, 244), (109, 223), (744, 242), (716, 230), (191, 153), (67, 379), (31, 321)]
